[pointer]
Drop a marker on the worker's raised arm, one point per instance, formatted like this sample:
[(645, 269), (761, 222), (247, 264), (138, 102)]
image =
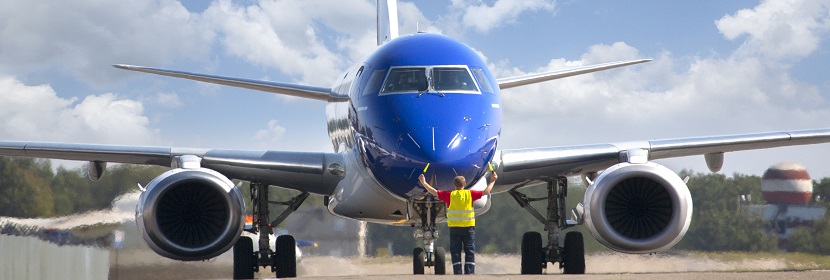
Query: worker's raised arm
[(493, 178), (429, 188)]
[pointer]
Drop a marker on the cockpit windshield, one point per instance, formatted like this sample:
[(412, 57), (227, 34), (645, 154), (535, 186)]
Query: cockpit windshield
[(452, 79), (406, 80), (430, 79)]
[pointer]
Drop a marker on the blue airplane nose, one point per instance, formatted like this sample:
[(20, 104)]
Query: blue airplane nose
[(455, 134), (438, 144), (439, 153)]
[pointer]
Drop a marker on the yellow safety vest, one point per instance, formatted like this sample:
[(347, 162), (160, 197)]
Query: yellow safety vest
[(461, 213)]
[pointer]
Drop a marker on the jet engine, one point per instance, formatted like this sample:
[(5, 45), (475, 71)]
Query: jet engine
[(638, 208), (190, 214)]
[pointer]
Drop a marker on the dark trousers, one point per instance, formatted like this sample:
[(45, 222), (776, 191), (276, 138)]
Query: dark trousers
[(463, 237)]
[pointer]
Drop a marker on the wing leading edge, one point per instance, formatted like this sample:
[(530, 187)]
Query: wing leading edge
[(511, 82), (311, 92), (316, 173), (519, 167)]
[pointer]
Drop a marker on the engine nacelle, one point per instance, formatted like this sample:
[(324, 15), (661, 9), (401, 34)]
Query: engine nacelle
[(638, 208), (190, 214)]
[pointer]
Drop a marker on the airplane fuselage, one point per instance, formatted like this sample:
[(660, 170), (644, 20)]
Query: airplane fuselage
[(421, 103)]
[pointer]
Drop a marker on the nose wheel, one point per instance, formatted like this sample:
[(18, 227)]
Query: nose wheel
[(438, 262), (426, 232)]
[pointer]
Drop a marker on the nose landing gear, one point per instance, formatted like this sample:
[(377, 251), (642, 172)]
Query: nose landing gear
[(427, 210)]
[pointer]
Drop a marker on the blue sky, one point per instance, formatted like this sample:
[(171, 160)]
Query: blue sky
[(720, 67)]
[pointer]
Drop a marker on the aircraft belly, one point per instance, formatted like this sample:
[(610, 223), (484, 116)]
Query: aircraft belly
[(360, 197)]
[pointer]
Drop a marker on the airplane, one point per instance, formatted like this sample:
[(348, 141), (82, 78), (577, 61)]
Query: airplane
[(418, 104)]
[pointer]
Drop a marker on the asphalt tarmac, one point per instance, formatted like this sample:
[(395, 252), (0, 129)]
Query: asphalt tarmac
[(784, 275), (604, 266)]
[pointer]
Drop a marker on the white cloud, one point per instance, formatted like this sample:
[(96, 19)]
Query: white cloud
[(412, 20), (283, 35), (779, 29), (743, 92), (484, 17), (270, 136), (167, 99), (81, 38), (37, 113), (657, 99)]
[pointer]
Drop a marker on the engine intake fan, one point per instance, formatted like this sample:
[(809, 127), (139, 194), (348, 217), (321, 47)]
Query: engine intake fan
[(638, 208), (190, 214)]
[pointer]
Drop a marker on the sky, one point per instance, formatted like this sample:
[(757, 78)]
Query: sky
[(719, 67)]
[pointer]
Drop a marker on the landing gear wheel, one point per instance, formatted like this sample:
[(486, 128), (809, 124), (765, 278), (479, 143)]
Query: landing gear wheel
[(418, 259), (244, 260), (532, 259), (284, 259), (440, 256), (573, 255)]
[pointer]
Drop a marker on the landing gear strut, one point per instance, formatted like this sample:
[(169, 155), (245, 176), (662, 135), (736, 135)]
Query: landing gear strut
[(426, 232), (282, 259), (571, 256)]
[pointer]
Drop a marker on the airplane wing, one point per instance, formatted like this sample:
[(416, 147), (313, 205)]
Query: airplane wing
[(303, 171), (521, 167), (506, 83), (311, 92)]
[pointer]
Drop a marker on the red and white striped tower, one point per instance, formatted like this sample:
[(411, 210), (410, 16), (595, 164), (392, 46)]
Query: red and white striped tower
[(787, 183)]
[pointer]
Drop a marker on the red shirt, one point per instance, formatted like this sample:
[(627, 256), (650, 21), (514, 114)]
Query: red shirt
[(445, 195)]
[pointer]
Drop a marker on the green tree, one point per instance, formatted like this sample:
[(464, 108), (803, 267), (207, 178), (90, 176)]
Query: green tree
[(725, 230), (69, 191), (813, 239), (821, 191), (719, 223), (24, 188)]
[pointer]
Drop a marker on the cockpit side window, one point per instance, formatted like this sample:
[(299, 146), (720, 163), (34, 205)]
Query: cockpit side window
[(405, 80), (452, 79), (374, 82), (483, 82)]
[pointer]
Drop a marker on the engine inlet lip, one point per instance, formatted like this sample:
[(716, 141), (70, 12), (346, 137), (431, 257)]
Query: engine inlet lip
[(681, 207), (213, 180)]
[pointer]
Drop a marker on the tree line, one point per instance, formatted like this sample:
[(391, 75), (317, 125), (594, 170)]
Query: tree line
[(33, 188)]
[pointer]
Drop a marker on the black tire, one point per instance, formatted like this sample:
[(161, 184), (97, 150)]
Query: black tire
[(284, 260), (244, 260), (440, 261), (418, 259), (573, 256), (532, 257)]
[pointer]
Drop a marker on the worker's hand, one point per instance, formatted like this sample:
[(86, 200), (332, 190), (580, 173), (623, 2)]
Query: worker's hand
[(422, 179), (493, 176)]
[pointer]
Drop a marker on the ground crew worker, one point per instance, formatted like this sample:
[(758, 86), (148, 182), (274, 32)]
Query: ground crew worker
[(461, 220)]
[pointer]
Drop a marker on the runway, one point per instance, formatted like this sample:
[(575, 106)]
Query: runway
[(32, 258), (639, 276), (603, 266)]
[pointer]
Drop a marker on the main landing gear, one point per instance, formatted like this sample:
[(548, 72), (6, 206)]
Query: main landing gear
[(283, 259), (535, 257), (428, 210)]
